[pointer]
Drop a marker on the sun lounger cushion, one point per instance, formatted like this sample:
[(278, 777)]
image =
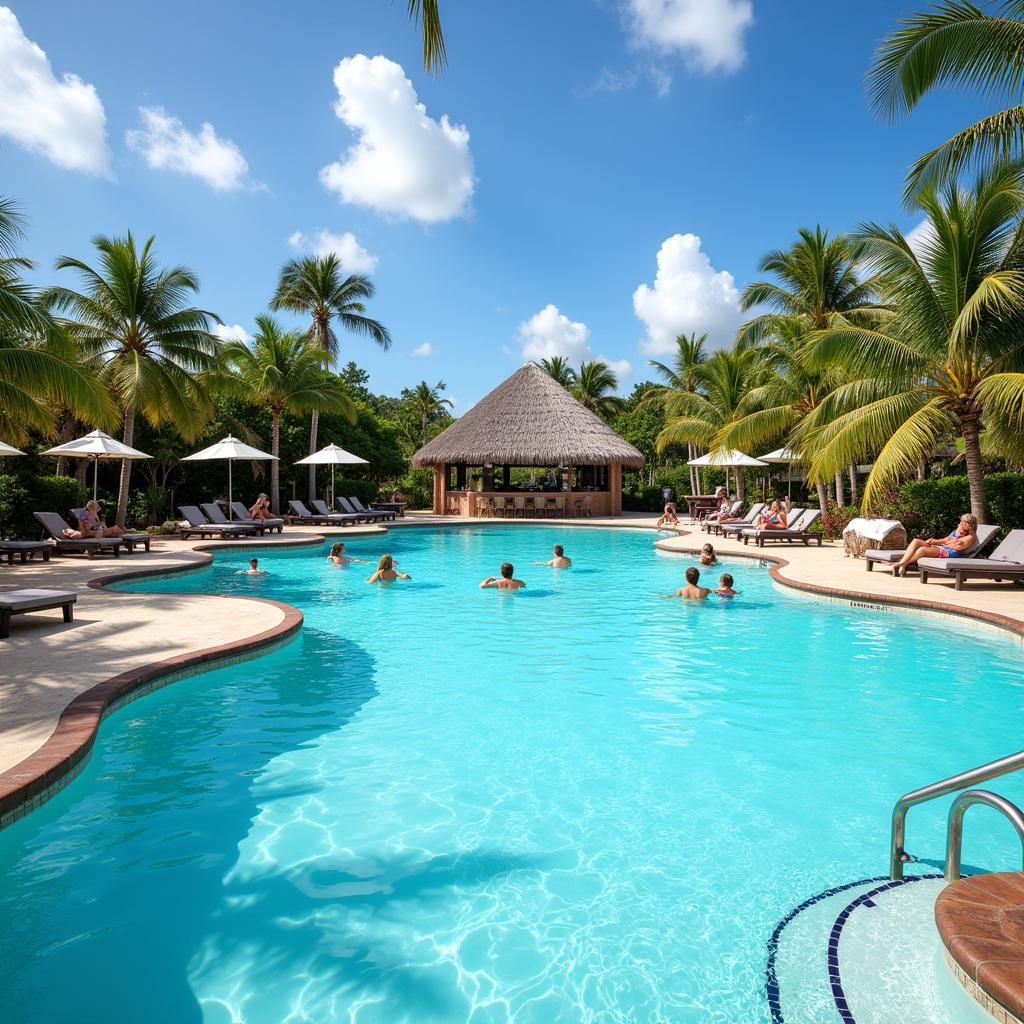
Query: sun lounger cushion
[(17, 602)]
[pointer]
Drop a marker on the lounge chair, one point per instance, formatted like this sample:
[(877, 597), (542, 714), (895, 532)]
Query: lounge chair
[(985, 535), (241, 514), (198, 524), (382, 513), (26, 549), (55, 525), (337, 518), (1005, 563), (723, 528), (300, 512), (800, 530), (19, 602), (131, 540), (367, 516)]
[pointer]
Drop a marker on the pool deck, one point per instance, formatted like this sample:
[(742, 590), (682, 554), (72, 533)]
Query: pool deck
[(59, 678)]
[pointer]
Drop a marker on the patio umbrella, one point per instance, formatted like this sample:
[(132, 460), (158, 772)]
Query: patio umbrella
[(788, 457), (332, 456), (231, 450), (96, 445), (6, 449), (727, 458)]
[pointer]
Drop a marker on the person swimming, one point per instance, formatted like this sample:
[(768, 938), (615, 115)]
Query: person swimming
[(253, 570), (338, 556), (725, 586), (559, 561), (386, 571), (507, 581), (707, 555), (693, 591)]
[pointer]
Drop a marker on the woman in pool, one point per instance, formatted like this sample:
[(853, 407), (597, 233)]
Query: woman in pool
[(261, 510), (338, 556), (707, 555), (952, 546), (772, 519), (386, 571)]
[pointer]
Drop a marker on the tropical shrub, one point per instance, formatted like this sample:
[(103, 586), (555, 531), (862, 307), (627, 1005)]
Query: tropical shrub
[(21, 496), (934, 506)]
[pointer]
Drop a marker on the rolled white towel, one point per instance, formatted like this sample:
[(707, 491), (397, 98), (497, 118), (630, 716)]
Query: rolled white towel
[(873, 529)]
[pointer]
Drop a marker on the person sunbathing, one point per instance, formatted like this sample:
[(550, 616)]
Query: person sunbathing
[(668, 517), (507, 581), (707, 555), (693, 591), (951, 546), (722, 507), (338, 556), (773, 519), (386, 571), (91, 525), (559, 561), (261, 510)]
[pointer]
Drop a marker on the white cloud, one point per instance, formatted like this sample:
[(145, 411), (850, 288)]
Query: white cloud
[(708, 34), (551, 333), (921, 237), (345, 246), (232, 332), (404, 162), (620, 367), (62, 120), (167, 144), (424, 351), (621, 81), (688, 296)]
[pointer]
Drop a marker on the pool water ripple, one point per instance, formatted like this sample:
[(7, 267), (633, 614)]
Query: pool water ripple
[(574, 803)]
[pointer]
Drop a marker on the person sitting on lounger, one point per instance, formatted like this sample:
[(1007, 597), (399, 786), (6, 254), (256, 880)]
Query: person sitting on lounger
[(707, 555), (253, 570), (261, 510), (559, 561), (506, 581), (338, 556), (723, 506), (668, 517), (772, 519), (386, 571), (939, 547), (725, 586), (91, 525), (693, 591)]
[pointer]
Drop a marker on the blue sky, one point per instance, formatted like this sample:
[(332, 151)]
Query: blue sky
[(581, 137)]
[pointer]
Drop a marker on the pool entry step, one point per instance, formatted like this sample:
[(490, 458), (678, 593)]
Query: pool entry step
[(866, 952)]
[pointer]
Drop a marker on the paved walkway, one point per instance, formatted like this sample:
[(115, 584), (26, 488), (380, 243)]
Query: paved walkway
[(46, 664)]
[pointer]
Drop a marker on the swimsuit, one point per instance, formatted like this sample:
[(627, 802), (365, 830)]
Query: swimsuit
[(947, 552)]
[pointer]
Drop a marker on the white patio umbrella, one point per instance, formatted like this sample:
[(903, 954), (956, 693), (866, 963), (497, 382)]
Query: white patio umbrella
[(231, 450), (96, 445), (784, 455), (332, 456), (727, 458), (6, 449)]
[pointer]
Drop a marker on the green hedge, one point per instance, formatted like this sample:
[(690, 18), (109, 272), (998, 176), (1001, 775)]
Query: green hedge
[(21, 496), (933, 506)]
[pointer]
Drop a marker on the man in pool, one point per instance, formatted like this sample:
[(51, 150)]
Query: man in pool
[(505, 582), (253, 570), (693, 591), (559, 561)]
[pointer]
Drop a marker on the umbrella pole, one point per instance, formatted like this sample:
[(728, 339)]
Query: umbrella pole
[(330, 504), (95, 477), (230, 515)]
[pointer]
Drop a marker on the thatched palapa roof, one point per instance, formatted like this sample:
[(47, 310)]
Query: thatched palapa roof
[(529, 420)]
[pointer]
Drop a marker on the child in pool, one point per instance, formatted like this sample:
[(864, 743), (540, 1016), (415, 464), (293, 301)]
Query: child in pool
[(707, 555), (693, 591), (559, 561), (725, 586), (507, 580)]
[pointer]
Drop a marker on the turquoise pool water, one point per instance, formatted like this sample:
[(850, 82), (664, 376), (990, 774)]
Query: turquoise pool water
[(574, 803)]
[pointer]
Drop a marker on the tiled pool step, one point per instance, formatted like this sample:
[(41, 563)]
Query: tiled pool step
[(866, 953)]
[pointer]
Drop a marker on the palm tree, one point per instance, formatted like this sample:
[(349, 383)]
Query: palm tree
[(951, 359), (680, 378), (955, 43), (316, 286), (428, 405), (558, 368), (593, 387), (19, 308), (152, 348), (700, 416), (427, 13), (284, 372)]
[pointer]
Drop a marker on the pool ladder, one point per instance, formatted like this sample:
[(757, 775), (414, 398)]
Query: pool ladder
[(955, 824)]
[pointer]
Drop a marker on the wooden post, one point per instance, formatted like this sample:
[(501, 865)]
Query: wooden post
[(615, 488), (440, 489)]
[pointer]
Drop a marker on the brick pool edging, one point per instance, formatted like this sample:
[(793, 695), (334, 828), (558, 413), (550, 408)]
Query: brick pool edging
[(33, 780)]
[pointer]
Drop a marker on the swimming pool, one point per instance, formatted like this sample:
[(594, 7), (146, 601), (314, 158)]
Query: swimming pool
[(574, 803)]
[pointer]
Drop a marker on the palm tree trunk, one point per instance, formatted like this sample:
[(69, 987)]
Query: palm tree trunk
[(840, 497), (822, 496), (922, 469), (126, 467), (275, 466), (975, 467), (740, 490), (314, 426), (853, 484), (691, 450), (67, 433)]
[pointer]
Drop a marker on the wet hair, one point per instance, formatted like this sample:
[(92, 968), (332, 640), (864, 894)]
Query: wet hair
[(559, 551), (726, 579), (253, 562), (386, 562), (337, 548), (507, 569), (971, 520), (692, 575), (710, 548)]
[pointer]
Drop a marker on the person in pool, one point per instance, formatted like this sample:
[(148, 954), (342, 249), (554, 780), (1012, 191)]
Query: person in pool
[(338, 556), (708, 556), (725, 586), (506, 581), (952, 546), (253, 570), (559, 561), (386, 571), (693, 591)]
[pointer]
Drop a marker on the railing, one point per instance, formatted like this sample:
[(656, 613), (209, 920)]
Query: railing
[(897, 854), (955, 827)]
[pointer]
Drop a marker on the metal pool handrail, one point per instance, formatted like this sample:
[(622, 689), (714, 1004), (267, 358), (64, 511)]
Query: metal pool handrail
[(955, 827), (897, 854)]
